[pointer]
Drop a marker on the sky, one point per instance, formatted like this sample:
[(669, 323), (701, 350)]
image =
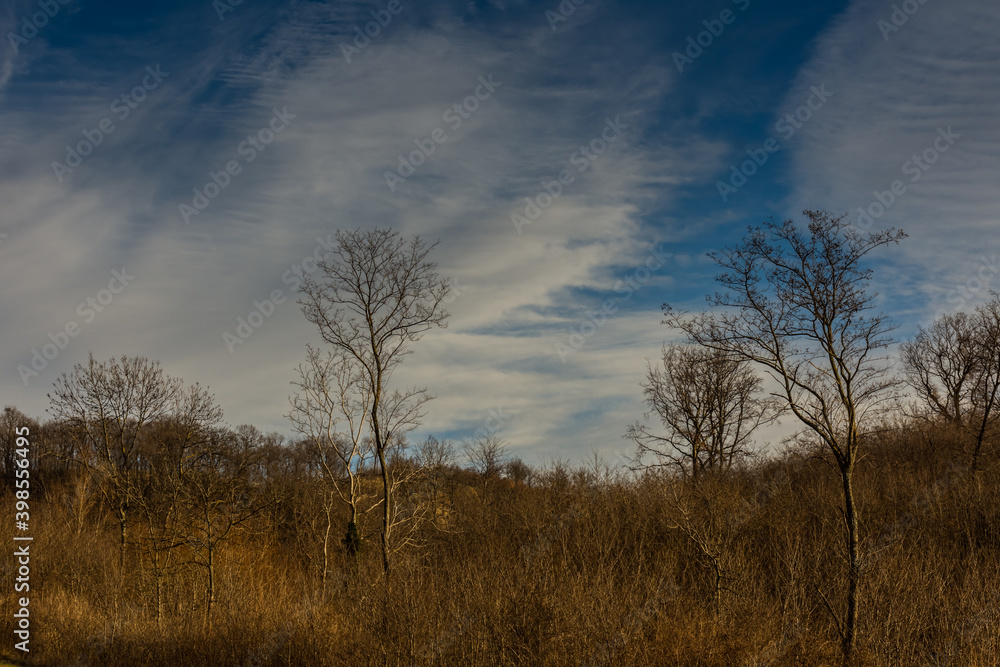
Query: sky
[(167, 172)]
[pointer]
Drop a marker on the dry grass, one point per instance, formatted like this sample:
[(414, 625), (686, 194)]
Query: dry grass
[(564, 571)]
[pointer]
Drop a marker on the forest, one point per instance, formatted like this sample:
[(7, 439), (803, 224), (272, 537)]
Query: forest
[(161, 535)]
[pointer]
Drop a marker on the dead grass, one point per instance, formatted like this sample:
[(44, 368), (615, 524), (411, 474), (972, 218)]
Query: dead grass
[(565, 571)]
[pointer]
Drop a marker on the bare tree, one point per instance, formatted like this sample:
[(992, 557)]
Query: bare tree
[(304, 506), (12, 419), (704, 514), (709, 401), (488, 456), (332, 392), (941, 364), (518, 471), (220, 496), (375, 295), (796, 303), (435, 458), (954, 368), (157, 502), (111, 406), (434, 454), (167, 450), (409, 509), (987, 385)]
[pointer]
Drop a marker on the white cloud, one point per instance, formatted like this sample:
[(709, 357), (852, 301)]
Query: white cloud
[(325, 172), (938, 71)]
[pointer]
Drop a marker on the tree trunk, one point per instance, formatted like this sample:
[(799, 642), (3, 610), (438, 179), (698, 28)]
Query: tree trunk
[(854, 576), (385, 511), (211, 588), (984, 423), (159, 601), (380, 453), (124, 535), (352, 541), (976, 449), (717, 571), (326, 549)]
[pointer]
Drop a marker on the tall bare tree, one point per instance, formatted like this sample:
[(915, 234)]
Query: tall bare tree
[(111, 406), (796, 304), (709, 401), (331, 409), (375, 295)]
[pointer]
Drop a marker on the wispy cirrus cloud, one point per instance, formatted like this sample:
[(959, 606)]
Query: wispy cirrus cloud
[(519, 294), (917, 108)]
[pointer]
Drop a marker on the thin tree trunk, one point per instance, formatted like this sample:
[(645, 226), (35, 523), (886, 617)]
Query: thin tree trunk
[(984, 423), (718, 587), (159, 601), (326, 549), (978, 446), (854, 576), (124, 535), (385, 511), (380, 453), (211, 588)]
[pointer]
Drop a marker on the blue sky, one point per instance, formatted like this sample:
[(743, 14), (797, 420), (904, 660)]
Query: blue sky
[(205, 151)]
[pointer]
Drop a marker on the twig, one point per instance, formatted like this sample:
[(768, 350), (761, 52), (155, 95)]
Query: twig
[(836, 620)]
